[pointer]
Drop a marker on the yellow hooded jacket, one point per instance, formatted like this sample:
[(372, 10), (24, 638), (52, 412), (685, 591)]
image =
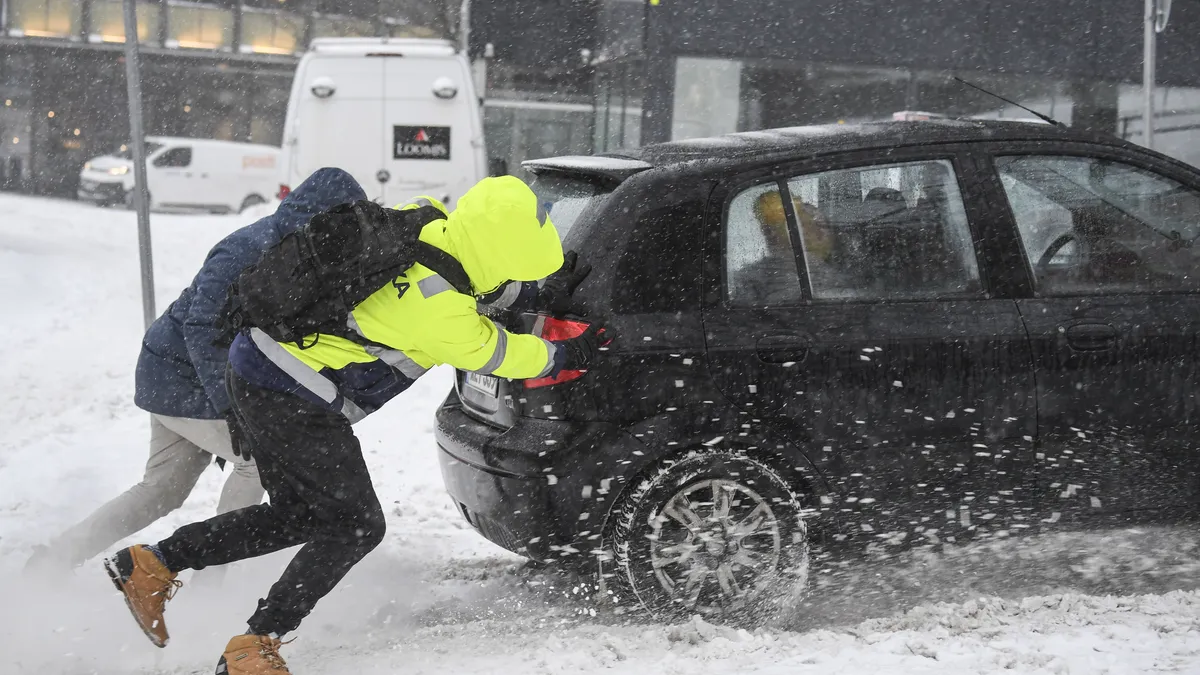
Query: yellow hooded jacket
[(499, 233)]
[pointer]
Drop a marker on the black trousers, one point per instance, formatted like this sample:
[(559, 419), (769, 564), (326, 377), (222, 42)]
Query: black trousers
[(321, 498)]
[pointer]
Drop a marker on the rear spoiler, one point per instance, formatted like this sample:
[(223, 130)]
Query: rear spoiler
[(610, 167)]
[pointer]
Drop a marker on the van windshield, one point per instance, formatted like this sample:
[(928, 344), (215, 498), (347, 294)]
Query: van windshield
[(126, 151), (569, 198)]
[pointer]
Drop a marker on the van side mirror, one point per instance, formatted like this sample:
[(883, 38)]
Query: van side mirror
[(497, 166)]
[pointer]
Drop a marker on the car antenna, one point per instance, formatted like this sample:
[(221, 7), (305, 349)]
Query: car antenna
[(1046, 118)]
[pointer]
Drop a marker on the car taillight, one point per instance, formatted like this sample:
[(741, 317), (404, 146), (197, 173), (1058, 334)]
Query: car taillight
[(284, 191), (558, 329)]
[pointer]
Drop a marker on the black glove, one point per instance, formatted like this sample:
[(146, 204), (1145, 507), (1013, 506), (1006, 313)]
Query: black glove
[(555, 294), (583, 349), (238, 439)]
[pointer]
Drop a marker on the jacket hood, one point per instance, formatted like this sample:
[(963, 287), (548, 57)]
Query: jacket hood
[(500, 232), (324, 189)]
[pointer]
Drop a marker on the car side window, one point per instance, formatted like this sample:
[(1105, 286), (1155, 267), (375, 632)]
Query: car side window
[(886, 232), (760, 265), (175, 158), (1094, 226)]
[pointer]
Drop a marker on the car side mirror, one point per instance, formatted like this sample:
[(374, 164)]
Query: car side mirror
[(497, 166)]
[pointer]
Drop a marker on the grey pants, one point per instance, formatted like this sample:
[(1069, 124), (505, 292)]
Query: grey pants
[(180, 450)]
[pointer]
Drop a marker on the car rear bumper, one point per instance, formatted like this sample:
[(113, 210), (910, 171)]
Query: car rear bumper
[(526, 488)]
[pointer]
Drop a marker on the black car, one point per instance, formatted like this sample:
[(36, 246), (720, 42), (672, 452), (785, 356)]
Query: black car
[(882, 335)]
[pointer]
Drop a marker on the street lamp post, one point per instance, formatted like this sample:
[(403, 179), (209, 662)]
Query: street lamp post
[(1157, 14), (141, 193), (464, 27)]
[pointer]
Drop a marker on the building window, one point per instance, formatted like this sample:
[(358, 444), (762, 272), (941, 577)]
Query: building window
[(719, 96), (44, 18), (267, 109), (414, 18), (341, 26), (277, 5), (108, 21), (196, 26), (618, 105), (366, 9), (275, 32), (706, 97), (14, 140), (1176, 120), (404, 29)]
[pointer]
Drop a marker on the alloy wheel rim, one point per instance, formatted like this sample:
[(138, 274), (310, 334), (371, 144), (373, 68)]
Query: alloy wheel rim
[(711, 543)]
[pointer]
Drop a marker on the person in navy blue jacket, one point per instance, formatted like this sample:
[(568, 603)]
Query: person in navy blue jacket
[(180, 381)]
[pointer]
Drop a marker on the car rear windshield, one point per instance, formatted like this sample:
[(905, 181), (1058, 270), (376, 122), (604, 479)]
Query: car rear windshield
[(126, 151), (569, 198)]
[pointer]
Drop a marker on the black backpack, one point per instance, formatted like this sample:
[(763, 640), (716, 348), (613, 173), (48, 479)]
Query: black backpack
[(310, 281)]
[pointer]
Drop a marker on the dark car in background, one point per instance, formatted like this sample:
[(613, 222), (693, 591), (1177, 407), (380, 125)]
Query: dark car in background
[(886, 335)]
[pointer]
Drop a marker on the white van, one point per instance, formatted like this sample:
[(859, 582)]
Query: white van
[(186, 174), (400, 115)]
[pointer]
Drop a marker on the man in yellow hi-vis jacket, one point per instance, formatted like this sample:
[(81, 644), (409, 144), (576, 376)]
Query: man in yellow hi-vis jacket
[(294, 409)]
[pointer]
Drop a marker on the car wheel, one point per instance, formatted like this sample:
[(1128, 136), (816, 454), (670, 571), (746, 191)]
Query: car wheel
[(130, 200), (250, 201), (713, 532)]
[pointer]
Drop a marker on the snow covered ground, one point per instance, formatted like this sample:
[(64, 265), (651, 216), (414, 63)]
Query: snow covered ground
[(436, 597)]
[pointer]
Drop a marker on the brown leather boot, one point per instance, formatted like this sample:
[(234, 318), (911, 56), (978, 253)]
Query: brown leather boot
[(147, 585), (252, 655)]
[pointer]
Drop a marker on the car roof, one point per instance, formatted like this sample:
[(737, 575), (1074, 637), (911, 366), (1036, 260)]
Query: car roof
[(210, 142), (772, 145), (382, 46)]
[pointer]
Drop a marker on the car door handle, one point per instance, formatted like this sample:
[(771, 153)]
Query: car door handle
[(1092, 336), (783, 348)]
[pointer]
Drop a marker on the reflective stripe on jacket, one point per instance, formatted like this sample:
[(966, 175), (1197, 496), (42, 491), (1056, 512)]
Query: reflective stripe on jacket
[(180, 373)]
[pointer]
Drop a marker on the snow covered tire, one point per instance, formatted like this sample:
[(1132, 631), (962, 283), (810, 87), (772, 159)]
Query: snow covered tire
[(250, 202), (712, 532)]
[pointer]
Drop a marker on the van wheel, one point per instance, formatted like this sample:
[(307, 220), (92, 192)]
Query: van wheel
[(252, 200), (713, 532)]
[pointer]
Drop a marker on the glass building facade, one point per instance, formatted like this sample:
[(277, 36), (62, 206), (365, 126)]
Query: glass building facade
[(707, 67), (718, 96), (580, 76), (211, 69)]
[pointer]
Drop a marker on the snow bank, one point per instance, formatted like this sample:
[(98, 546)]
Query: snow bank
[(436, 597)]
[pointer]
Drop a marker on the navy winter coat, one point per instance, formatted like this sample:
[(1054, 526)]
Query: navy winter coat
[(179, 372)]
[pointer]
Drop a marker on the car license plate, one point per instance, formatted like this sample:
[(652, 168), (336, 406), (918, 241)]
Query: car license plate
[(483, 383)]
